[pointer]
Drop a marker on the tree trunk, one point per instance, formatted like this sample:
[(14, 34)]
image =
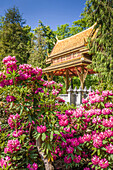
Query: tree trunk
[(48, 165)]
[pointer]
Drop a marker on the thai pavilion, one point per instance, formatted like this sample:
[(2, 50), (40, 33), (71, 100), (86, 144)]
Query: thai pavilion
[(70, 57)]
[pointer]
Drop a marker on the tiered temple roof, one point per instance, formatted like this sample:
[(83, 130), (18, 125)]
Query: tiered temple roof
[(70, 56)]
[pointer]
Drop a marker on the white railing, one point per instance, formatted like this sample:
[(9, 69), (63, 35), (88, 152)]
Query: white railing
[(74, 96)]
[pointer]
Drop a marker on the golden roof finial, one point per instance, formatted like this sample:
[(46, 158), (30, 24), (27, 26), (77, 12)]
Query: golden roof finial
[(56, 37)]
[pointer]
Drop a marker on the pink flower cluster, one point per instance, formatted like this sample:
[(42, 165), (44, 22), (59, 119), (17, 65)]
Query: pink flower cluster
[(5, 162), (63, 119), (60, 100), (96, 120), (27, 71), (10, 63), (107, 93), (13, 121), (10, 98), (103, 163), (108, 122), (77, 158), (86, 168), (109, 148), (39, 90), (96, 97), (41, 129), (13, 145), (34, 166), (79, 112), (68, 160), (49, 83), (106, 111), (107, 105), (2, 79), (55, 92), (17, 133), (98, 138)]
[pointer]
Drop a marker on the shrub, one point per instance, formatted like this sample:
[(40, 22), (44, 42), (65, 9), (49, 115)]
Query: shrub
[(37, 128), (87, 139), (28, 116)]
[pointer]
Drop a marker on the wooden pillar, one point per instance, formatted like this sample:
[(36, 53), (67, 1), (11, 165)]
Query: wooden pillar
[(82, 75), (67, 80), (49, 76)]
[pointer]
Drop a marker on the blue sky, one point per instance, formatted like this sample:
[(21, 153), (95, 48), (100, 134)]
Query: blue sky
[(50, 12)]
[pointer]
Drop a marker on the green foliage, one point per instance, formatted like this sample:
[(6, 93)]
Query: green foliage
[(34, 108), (101, 13), (15, 39), (49, 36), (39, 48), (63, 31), (12, 15)]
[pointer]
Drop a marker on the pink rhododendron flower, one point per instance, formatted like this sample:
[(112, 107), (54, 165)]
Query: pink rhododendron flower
[(109, 148), (103, 163), (95, 160), (69, 149), (85, 101), (13, 145), (63, 122), (34, 166), (67, 160), (10, 98), (5, 162), (86, 137), (41, 129), (17, 133), (86, 168), (77, 159), (13, 120)]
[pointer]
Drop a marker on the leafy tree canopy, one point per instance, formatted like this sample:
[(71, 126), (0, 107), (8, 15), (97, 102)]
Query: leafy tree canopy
[(12, 15), (15, 39), (101, 13)]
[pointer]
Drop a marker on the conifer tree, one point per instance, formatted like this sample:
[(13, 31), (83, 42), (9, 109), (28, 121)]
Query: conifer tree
[(49, 36), (39, 49), (63, 31), (15, 39), (101, 48)]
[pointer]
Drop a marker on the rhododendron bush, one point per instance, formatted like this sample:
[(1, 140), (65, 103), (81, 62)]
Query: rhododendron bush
[(37, 130), (28, 116), (88, 137)]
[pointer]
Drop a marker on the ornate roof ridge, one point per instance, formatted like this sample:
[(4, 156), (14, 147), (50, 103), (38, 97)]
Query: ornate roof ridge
[(75, 34)]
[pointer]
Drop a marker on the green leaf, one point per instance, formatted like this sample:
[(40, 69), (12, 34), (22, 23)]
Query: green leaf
[(79, 148), (51, 136), (102, 104), (98, 152), (11, 105), (57, 132), (21, 110), (104, 141), (43, 136), (30, 119), (94, 151), (63, 139), (104, 149), (111, 156), (38, 135), (27, 109)]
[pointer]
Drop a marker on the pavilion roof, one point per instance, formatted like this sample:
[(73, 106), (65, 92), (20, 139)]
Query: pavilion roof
[(56, 69), (76, 41)]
